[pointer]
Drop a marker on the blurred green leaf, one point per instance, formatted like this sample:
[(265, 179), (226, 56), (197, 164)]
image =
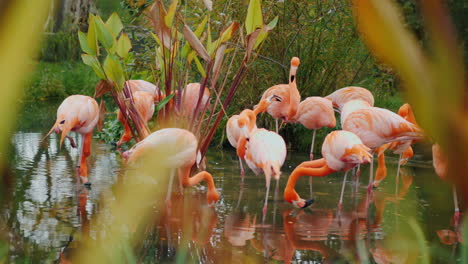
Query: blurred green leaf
[(103, 33), (254, 17), (114, 24), (84, 43), (91, 36), (114, 71), (123, 46), (94, 63)]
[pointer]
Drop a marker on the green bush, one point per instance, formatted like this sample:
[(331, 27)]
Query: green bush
[(60, 46)]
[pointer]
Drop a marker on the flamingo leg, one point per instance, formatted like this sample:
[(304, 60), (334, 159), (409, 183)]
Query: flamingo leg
[(242, 172), (265, 205), (369, 187), (311, 158), (169, 187), (276, 121), (358, 173), (381, 172), (456, 216), (397, 181), (85, 153), (340, 203), (212, 194)]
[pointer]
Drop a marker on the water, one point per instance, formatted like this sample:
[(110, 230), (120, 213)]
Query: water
[(48, 213)]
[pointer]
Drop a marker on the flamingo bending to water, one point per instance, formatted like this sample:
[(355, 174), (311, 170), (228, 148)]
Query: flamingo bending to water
[(341, 150), (144, 104), (285, 108), (176, 149), (78, 113), (341, 96)]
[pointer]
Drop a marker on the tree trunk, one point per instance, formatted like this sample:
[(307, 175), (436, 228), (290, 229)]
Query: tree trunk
[(69, 15)]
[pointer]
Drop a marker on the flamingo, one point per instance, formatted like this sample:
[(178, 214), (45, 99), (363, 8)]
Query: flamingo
[(341, 96), (233, 131), (341, 150), (144, 104), (176, 149), (144, 86), (263, 150), (314, 113), (190, 99), (377, 126), (440, 163), (406, 112), (78, 113), (285, 108)]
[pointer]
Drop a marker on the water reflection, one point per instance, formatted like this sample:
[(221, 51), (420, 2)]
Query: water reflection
[(49, 214)]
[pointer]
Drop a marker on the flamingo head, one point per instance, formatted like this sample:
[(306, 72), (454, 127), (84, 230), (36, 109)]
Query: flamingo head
[(212, 197), (294, 65), (407, 155)]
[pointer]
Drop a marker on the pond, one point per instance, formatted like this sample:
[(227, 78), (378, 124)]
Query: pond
[(47, 212)]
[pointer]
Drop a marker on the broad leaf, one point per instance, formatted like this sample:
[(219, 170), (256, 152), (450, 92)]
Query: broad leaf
[(251, 40), (114, 71), (94, 63), (114, 24), (264, 33), (195, 43), (84, 43), (92, 38), (123, 46), (225, 36), (158, 13), (163, 102), (254, 17), (103, 33), (170, 13)]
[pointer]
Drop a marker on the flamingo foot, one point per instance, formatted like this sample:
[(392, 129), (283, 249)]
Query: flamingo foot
[(311, 155), (264, 210)]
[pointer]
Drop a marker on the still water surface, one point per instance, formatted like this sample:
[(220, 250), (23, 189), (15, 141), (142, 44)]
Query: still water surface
[(47, 211)]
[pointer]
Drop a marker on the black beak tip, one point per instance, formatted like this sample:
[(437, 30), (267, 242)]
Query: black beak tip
[(308, 203)]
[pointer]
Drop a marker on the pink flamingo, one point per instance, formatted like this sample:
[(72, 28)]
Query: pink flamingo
[(377, 126), (233, 131), (190, 97), (341, 96), (144, 104), (263, 150), (78, 113), (341, 150), (177, 149), (285, 108), (144, 86)]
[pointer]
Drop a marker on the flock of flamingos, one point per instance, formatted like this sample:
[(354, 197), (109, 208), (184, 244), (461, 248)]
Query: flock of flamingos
[(365, 130)]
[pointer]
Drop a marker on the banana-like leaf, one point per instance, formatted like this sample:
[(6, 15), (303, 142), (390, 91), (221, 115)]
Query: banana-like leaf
[(84, 43), (103, 33), (92, 61), (225, 35), (170, 13), (264, 33), (158, 14), (218, 62), (91, 36), (251, 40), (123, 46), (163, 102), (114, 71), (195, 43), (186, 49), (114, 24), (199, 66), (254, 17)]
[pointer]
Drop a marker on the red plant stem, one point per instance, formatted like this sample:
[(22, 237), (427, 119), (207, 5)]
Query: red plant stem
[(232, 90), (200, 94)]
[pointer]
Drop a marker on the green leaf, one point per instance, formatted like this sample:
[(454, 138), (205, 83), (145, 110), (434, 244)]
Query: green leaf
[(195, 43), (84, 43), (123, 45), (94, 63), (225, 36), (254, 17), (163, 102), (170, 13), (198, 32), (114, 24), (114, 71), (92, 38), (103, 33), (199, 66), (264, 33)]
